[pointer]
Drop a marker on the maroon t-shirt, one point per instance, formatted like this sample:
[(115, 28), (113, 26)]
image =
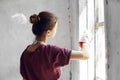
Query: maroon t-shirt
[(44, 63)]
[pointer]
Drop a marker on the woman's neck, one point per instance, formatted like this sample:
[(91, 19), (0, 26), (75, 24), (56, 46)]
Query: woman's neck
[(41, 39)]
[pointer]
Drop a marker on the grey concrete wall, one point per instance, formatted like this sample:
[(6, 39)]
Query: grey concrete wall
[(112, 23), (15, 32), (74, 29)]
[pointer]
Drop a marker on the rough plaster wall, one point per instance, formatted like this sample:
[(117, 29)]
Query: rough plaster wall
[(74, 27), (15, 34), (112, 23)]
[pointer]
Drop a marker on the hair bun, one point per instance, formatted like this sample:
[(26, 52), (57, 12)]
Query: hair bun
[(34, 18)]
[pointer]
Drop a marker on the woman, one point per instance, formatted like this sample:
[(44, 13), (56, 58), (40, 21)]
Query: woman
[(42, 61)]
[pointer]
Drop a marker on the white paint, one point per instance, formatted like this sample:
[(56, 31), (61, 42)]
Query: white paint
[(19, 18), (82, 27), (86, 23)]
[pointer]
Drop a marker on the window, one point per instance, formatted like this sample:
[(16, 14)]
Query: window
[(91, 18)]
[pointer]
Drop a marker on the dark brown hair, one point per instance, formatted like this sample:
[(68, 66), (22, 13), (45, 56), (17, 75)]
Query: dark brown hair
[(43, 21)]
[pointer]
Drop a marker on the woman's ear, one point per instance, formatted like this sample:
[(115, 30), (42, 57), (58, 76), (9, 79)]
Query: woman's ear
[(48, 33)]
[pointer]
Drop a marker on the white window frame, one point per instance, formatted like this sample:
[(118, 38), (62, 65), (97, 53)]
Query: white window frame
[(92, 19)]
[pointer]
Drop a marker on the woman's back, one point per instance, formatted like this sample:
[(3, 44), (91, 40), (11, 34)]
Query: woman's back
[(42, 62)]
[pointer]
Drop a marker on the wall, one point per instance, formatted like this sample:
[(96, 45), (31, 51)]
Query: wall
[(15, 32), (112, 23), (74, 27)]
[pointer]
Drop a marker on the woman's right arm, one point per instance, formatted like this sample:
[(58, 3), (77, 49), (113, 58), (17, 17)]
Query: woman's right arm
[(75, 55), (82, 54)]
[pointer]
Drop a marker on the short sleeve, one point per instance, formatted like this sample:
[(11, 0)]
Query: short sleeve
[(22, 68), (60, 56)]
